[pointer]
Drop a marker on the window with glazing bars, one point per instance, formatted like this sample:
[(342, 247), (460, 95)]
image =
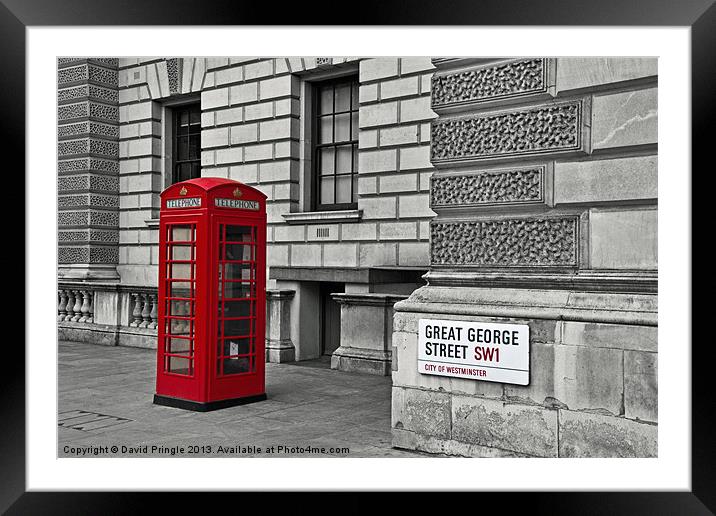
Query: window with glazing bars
[(180, 298), (236, 332), (186, 142), (335, 178)]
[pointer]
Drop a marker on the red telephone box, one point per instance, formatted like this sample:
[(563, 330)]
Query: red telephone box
[(212, 295)]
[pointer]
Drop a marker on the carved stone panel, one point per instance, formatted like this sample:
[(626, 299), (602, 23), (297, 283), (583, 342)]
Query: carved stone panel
[(517, 242), (491, 187), (554, 127), (174, 74), (515, 78)]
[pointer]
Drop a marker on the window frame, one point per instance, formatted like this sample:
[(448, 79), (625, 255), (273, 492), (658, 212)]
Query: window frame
[(315, 174), (175, 110)]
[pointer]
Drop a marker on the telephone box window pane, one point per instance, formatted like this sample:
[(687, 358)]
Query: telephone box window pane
[(180, 308), (238, 308), (180, 270), (238, 234), (233, 347), (179, 346), (238, 327), (181, 233), (237, 365), (238, 290), (238, 271), (181, 289), (180, 327), (238, 252), (181, 252), (179, 365)]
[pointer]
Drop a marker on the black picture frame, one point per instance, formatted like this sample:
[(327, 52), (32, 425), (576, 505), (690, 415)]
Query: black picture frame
[(699, 15)]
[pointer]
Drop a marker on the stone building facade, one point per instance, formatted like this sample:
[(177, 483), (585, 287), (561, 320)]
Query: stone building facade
[(524, 188), (545, 189)]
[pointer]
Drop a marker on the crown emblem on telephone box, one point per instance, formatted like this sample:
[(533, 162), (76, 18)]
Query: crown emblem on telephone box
[(183, 190), (237, 193)]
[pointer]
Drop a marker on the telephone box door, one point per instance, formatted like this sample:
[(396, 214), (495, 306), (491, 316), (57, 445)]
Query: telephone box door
[(181, 321), (239, 304)]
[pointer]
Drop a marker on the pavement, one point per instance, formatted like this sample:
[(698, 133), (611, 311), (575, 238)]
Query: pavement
[(105, 401)]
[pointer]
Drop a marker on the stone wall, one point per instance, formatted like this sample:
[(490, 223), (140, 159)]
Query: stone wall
[(256, 129), (146, 87), (87, 168), (545, 191)]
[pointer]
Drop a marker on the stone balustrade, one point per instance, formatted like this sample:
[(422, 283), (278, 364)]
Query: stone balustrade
[(144, 310), (107, 313), (75, 305)]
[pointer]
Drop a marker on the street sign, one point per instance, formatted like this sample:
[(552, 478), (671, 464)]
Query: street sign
[(491, 352)]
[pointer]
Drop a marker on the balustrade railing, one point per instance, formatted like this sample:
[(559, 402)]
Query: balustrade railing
[(144, 309), (76, 304)]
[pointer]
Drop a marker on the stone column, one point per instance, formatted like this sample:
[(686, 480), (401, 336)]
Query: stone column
[(545, 195), (88, 168), (279, 347), (366, 332)]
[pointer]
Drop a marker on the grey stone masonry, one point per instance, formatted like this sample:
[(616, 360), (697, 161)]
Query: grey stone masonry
[(366, 333), (149, 88), (545, 190), (257, 129), (88, 168)]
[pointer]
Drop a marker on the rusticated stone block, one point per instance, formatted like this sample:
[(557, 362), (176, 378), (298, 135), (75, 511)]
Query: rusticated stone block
[(540, 390), (589, 378), (424, 412), (607, 180), (543, 241), (624, 239), (495, 424), (489, 83), (535, 130), (413, 441), (582, 72), (622, 119), (491, 187), (583, 434), (618, 336), (641, 385)]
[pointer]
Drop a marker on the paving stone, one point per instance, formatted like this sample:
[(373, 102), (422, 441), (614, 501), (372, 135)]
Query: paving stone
[(307, 405)]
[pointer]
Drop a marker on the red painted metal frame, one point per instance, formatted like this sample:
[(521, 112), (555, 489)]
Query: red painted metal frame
[(205, 385)]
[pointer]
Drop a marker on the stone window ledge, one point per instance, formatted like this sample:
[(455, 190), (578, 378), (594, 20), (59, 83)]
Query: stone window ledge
[(152, 223), (323, 217)]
